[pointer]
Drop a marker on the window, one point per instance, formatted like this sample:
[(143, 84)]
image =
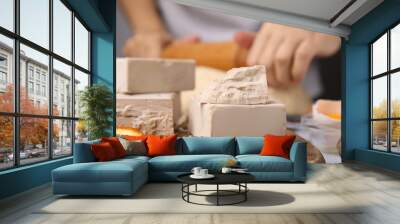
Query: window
[(37, 75), (30, 88), (34, 21), (41, 123), (30, 72), (6, 73), (3, 78), (3, 61), (37, 89), (385, 92), (44, 91), (81, 45)]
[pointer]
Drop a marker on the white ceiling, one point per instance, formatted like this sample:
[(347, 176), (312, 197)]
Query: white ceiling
[(327, 16), (321, 9)]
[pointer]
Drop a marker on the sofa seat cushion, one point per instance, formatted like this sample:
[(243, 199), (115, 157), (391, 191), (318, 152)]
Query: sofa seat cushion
[(133, 158), (112, 171), (185, 163), (257, 163)]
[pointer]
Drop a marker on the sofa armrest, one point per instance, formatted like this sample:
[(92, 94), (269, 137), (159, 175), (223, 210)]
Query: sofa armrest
[(83, 152), (298, 155)]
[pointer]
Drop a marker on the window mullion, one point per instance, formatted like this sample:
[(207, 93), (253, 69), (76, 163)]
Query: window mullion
[(16, 85), (73, 82), (389, 101), (50, 81)]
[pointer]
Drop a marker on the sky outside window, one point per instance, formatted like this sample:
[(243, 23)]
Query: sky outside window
[(7, 14)]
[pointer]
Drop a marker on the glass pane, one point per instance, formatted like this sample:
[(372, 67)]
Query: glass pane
[(81, 81), (395, 94), (62, 29), (395, 47), (6, 142), (7, 14), (33, 139), (62, 138), (379, 97), (81, 132), (34, 21), (62, 89), (379, 135), (81, 45), (395, 136), (379, 56), (6, 74), (34, 97)]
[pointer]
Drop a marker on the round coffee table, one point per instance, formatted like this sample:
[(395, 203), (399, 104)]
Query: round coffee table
[(238, 179)]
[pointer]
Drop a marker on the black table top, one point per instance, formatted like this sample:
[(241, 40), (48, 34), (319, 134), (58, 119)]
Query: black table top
[(220, 178)]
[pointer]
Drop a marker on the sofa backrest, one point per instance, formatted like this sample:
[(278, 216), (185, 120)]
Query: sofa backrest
[(249, 145), (83, 152), (206, 145)]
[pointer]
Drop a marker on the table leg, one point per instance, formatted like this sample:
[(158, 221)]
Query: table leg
[(217, 194), (195, 188), (245, 193), (188, 190)]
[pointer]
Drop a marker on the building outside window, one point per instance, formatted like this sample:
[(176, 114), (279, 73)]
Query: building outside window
[(385, 91), (57, 128)]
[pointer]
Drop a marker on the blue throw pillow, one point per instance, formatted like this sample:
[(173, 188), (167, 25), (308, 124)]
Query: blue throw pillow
[(206, 145), (249, 145)]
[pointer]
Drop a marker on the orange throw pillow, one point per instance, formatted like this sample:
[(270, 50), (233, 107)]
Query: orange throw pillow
[(135, 138), (116, 145), (103, 152), (277, 145), (161, 145)]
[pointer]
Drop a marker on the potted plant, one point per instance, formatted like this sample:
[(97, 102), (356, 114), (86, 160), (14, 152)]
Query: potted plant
[(96, 103)]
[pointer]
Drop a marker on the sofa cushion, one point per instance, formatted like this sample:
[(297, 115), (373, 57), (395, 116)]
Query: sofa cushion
[(161, 145), (112, 171), (134, 147), (206, 145), (116, 145), (185, 163), (249, 145), (103, 152), (257, 163), (277, 145)]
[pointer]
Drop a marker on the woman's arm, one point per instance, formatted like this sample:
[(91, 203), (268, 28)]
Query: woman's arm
[(150, 35)]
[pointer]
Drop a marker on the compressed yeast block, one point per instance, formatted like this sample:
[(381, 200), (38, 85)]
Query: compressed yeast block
[(141, 75), (150, 113), (236, 120)]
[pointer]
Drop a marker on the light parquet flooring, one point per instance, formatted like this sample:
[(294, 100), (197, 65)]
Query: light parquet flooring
[(377, 188)]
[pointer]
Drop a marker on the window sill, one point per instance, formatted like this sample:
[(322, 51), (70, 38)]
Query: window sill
[(26, 167)]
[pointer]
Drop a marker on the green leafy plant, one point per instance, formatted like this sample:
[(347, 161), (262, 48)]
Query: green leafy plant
[(96, 103)]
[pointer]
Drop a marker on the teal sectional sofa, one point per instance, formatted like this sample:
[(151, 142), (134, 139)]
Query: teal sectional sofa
[(125, 176)]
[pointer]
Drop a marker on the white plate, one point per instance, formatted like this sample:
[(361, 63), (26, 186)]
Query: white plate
[(208, 176)]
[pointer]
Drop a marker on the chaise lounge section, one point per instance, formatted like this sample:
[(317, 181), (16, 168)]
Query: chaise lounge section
[(125, 176)]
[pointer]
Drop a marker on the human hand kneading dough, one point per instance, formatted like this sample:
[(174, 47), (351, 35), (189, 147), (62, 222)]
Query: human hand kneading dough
[(286, 52)]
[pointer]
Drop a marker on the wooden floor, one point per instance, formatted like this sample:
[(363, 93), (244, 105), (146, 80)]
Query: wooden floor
[(378, 188)]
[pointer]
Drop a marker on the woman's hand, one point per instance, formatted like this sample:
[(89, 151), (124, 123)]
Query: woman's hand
[(146, 44), (286, 51)]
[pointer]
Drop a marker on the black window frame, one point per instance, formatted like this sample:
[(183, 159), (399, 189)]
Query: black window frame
[(16, 115), (388, 74)]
